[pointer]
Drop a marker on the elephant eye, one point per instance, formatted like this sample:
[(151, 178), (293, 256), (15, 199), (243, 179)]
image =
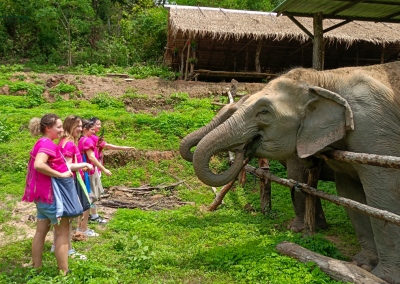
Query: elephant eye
[(264, 110)]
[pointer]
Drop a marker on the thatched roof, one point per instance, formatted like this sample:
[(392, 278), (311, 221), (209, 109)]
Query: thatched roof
[(225, 24)]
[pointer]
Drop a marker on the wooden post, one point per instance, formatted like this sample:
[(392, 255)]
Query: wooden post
[(383, 53), (309, 217), (187, 59), (357, 56), (318, 57), (265, 188), (247, 59), (182, 61), (258, 51)]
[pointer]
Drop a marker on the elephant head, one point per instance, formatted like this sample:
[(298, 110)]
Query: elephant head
[(287, 117), (192, 139)]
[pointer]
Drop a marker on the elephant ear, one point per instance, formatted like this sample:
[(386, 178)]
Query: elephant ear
[(326, 119)]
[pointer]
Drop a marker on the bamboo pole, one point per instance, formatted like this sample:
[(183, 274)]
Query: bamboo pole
[(187, 60), (362, 158), (182, 61), (357, 206)]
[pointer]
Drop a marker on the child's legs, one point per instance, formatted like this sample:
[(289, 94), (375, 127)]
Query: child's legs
[(83, 223)]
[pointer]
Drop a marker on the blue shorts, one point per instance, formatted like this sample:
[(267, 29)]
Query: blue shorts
[(46, 211)]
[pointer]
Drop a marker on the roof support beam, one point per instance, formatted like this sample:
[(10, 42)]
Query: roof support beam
[(345, 7), (337, 25), (319, 46), (367, 19), (301, 26)]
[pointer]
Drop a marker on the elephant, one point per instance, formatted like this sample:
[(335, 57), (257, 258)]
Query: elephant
[(306, 112), (296, 169)]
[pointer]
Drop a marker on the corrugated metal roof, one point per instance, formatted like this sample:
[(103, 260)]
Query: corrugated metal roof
[(368, 10)]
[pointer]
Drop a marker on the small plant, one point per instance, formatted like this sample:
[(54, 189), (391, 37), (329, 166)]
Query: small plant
[(5, 133), (62, 88), (72, 96), (39, 81), (59, 98), (33, 76), (104, 100), (20, 77), (79, 94), (193, 44), (193, 60), (175, 51)]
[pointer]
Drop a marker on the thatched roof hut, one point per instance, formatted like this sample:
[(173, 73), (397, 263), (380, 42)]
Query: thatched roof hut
[(227, 40)]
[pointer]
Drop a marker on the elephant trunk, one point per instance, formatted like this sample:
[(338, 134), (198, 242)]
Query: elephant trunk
[(232, 133), (192, 139)]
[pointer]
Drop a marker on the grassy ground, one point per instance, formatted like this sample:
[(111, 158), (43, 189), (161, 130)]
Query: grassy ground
[(187, 245)]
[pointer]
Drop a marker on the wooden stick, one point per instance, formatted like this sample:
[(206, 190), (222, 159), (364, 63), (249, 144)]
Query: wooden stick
[(214, 189), (218, 104), (265, 188), (357, 206), (362, 158), (175, 177), (150, 188), (337, 269), (309, 217), (220, 196), (182, 61)]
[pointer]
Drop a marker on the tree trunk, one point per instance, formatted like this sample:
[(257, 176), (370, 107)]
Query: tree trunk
[(187, 59), (337, 269), (119, 19), (265, 188), (69, 47), (318, 42), (258, 51)]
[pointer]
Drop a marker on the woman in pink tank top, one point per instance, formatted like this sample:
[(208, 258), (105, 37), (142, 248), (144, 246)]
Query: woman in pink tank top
[(100, 144), (45, 162)]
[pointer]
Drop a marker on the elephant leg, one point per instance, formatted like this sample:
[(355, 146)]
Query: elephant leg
[(350, 187), (297, 170), (382, 189)]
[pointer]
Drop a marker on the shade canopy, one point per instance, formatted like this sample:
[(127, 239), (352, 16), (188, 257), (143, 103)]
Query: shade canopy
[(368, 10)]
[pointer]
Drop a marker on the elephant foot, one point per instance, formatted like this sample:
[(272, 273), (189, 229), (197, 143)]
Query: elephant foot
[(297, 225), (367, 260), (389, 274)]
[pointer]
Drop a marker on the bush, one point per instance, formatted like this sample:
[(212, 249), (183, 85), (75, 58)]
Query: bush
[(62, 88), (104, 100), (5, 132)]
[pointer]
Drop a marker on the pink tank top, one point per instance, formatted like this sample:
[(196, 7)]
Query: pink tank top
[(69, 149), (85, 143)]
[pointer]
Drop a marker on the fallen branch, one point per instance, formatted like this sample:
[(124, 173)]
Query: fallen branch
[(119, 204), (336, 269), (214, 189), (150, 188), (218, 104), (220, 196), (357, 206), (118, 75), (175, 177)]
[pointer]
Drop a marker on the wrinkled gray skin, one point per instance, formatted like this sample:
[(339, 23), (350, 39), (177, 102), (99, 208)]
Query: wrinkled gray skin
[(295, 167), (305, 112)]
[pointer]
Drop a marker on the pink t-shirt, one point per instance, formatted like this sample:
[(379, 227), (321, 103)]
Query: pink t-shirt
[(85, 143), (38, 186), (69, 149), (99, 148)]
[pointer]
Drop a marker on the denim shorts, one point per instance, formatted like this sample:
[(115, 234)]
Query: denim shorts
[(46, 211)]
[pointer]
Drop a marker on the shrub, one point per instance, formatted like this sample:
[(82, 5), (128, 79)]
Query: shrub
[(104, 100), (62, 88)]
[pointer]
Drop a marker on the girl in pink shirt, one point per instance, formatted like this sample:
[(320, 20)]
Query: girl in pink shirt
[(100, 144), (88, 148), (45, 162), (67, 146)]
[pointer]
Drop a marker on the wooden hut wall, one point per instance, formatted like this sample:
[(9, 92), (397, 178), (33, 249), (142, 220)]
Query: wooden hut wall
[(276, 56)]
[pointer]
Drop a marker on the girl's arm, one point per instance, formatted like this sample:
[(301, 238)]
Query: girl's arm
[(41, 166), (95, 162), (114, 147), (76, 167)]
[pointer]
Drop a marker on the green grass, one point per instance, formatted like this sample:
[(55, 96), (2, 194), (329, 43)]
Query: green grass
[(186, 245)]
